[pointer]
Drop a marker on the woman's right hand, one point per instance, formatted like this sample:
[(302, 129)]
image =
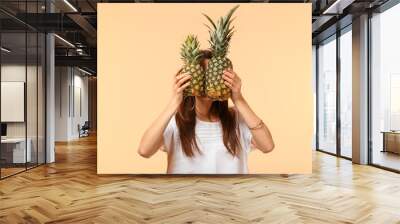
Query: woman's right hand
[(181, 81)]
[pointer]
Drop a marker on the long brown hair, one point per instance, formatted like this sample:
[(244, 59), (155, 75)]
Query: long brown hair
[(186, 121)]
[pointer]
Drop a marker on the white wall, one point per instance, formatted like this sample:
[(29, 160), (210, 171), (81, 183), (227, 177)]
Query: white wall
[(81, 103), (62, 81), (71, 102), (9, 73)]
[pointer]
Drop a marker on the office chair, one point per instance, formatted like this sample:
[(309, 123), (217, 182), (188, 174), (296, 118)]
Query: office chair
[(84, 130)]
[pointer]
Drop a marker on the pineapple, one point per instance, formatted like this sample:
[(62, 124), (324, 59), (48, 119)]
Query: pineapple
[(190, 53), (220, 36)]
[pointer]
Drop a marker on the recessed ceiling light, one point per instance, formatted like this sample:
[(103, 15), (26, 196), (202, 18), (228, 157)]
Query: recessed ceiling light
[(64, 40), (337, 7), (5, 50), (70, 5), (84, 71)]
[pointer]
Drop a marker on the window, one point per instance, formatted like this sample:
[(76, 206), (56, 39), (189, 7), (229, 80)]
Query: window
[(327, 95), (385, 89), (346, 92)]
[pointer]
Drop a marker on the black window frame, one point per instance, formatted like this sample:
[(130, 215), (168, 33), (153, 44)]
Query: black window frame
[(334, 37)]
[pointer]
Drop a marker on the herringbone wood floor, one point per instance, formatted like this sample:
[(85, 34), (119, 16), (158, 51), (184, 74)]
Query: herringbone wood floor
[(69, 191)]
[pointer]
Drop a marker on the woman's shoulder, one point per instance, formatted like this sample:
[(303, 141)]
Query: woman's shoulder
[(172, 122)]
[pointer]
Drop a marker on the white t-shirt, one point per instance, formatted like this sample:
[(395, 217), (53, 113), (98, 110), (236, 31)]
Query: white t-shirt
[(214, 158)]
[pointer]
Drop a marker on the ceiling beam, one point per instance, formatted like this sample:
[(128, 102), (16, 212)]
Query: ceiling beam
[(84, 24), (82, 61)]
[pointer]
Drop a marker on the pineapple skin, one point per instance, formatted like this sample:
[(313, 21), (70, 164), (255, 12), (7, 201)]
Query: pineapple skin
[(215, 87), (196, 87)]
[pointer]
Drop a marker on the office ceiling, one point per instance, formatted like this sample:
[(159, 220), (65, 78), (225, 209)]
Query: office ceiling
[(76, 21)]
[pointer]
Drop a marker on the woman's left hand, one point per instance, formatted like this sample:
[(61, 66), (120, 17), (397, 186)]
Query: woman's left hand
[(233, 81)]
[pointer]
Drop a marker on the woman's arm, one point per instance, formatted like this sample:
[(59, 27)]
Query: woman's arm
[(262, 138), (152, 138)]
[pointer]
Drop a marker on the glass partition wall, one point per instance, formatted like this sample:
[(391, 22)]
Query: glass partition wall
[(385, 89), (22, 98), (334, 93)]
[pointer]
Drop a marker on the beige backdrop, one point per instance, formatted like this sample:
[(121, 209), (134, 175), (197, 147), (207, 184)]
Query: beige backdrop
[(138, 53)]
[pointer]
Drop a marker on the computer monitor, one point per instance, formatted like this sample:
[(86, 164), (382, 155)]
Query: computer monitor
[(3, 129)]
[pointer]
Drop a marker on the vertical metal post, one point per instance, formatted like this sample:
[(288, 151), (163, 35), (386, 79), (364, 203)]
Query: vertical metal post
[(338, 80), (37, 89), (0, 94), (369, 89), (26, 86), (317, 96)]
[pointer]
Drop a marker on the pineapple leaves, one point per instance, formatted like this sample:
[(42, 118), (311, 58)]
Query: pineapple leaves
[(190, 49), (209, 28), (228, 17), (211, 21), (221, 32)]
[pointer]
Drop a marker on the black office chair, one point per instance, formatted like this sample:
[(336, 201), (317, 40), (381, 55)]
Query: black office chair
[(84, 130)]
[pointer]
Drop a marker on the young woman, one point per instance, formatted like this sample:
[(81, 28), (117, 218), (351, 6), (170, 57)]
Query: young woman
[(202, 136)]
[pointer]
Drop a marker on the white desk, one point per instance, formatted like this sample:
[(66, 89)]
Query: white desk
[(19, 155)]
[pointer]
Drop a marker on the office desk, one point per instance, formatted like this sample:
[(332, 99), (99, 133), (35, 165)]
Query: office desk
[(391, 141), (13, 150)]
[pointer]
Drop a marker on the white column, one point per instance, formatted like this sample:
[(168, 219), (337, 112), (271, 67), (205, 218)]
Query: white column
[(360, 90), (50, 92), (50, 99)]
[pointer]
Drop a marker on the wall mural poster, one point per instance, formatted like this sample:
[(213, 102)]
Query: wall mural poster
[(204, 88)]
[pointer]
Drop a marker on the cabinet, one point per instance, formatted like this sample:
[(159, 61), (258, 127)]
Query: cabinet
[(391, 142)]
